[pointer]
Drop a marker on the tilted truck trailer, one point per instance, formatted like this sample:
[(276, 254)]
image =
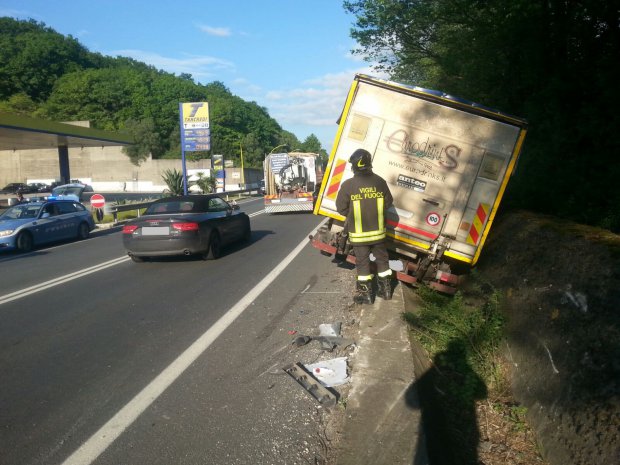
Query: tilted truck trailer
[(290, 180), (447, 162)]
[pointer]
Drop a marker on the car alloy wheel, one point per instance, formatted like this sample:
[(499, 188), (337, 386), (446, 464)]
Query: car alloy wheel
[(215, 247), (24, 242), (83, 231)]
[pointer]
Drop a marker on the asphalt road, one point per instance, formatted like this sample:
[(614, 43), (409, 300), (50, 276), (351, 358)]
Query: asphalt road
[(174, 361)]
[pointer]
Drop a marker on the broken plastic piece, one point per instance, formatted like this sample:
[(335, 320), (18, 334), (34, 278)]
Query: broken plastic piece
[(330, 329), (330, 372), (301, 340), (311, 385)]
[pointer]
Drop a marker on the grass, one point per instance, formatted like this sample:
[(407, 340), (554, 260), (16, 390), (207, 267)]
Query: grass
[(462, 336), (120, 216), (469, 325)]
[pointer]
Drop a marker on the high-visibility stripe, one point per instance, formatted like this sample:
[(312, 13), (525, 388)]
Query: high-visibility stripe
[(357, 215), (482, 212), (366, 237), (380, 213), (334, 184)]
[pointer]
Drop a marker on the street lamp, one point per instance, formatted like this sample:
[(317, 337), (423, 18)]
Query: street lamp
[(277, 147)]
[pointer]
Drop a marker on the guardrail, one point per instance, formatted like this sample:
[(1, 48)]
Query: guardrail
[(114, 209)]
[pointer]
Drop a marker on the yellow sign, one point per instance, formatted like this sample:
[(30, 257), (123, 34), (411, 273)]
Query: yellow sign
[(196, 115)]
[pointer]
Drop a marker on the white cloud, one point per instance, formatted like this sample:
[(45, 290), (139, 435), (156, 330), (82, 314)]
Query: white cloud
[(199, 66), (313, 106), (215, 31)]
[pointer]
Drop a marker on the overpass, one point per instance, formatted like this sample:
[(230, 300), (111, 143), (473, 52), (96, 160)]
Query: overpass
[(24, 133)]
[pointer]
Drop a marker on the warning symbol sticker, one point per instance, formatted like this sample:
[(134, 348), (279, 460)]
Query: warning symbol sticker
[(433, 218)]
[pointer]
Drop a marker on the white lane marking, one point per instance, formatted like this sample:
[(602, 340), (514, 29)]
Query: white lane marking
[(259, 212), (57, 281), (88, 452)]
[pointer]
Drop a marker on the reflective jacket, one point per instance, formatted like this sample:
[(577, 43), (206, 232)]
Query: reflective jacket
[(363, 199)]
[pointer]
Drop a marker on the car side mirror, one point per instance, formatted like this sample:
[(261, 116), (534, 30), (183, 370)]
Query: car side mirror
[(235, 206)]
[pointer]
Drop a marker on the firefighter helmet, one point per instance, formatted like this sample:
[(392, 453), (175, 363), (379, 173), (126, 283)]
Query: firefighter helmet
[(361, 160)]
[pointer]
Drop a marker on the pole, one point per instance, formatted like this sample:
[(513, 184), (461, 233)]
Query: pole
[(183, 148), (242, 170)]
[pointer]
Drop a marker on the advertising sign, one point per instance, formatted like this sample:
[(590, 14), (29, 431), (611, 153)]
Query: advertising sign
[(195, 129)]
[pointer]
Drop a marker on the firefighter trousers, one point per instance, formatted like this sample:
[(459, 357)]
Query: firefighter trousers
[(362, 260)]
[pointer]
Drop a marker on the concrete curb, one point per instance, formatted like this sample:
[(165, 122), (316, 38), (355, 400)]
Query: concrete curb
[(383, 418)]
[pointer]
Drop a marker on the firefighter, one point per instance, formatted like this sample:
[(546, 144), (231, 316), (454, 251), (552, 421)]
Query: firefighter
[(363, 200)]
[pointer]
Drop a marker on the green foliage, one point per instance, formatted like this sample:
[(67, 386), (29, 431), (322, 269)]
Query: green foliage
[(471, 324), (146, 140), (51, 76), (174, 180), (553, 63), (206, 183)]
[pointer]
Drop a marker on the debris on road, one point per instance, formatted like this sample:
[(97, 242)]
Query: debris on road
[(323, 395), (330, 373)]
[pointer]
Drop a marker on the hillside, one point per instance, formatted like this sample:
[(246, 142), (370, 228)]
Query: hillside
[(47, 75), (561, 284)]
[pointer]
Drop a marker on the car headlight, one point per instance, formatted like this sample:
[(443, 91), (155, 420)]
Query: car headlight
[(6, 232)]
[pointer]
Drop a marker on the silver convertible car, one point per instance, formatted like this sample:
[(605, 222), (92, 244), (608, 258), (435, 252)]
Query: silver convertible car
[(27, 225), (186, 225)]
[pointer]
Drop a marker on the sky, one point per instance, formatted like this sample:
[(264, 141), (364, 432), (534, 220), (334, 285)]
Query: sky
[(292, 57)]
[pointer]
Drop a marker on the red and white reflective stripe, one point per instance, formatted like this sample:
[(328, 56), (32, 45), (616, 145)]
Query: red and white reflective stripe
[(482, 213)]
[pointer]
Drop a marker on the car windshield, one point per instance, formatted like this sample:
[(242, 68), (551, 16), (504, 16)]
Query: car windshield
[(21, 212), (67, 190), (173, 206)]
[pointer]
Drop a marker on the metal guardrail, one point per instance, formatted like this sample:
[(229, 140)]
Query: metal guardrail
[(114, 209)]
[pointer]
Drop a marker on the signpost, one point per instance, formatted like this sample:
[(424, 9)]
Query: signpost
[(195, 131), (97, 201)]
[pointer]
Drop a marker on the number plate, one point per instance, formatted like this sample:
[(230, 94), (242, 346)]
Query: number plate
[(156, 231)]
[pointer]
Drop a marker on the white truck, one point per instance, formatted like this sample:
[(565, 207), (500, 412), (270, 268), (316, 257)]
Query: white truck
[(290, 180), (447, 162)]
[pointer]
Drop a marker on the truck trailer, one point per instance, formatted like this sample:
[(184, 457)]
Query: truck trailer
[(447, 162), (290, 180)]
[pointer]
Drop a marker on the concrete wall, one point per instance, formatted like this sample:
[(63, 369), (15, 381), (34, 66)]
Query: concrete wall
[(105, 168)]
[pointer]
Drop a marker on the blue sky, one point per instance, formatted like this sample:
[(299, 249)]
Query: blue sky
[(291, 56)]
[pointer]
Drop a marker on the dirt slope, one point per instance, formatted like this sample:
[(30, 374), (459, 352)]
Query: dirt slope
[(562, 288)]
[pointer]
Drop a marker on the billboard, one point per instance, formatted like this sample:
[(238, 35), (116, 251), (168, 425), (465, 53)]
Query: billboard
[(195, 129)]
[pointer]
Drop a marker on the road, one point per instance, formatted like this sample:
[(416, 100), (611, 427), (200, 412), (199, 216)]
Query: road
[(107, 361)]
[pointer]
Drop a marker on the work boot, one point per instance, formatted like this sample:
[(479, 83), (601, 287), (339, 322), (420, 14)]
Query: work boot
[(384, 287), (363, 292)]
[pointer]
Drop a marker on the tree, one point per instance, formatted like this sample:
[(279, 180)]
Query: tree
[(146, 140), (206, 183), (174, 180), (20, 104), (554, 63)]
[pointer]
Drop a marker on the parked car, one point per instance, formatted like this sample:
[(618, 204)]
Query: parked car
[(186, 225), (74, 191), (39, 187), (27, 225), (14, 188)]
